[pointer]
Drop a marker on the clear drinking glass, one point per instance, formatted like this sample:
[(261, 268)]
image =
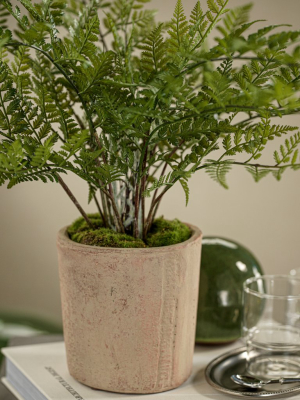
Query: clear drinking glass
[(271, 326)]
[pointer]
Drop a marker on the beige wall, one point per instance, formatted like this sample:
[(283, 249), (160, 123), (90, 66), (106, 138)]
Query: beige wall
[(265, 217)]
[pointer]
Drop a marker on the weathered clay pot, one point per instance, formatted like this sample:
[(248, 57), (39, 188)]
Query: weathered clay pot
[(129, 315)]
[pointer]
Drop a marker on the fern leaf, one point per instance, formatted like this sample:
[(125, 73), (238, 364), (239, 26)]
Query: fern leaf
[(153, 56), (218, 172), (102, 66), (258, 173), (85, 41), (295, 156), (186, 190), (32, 10), (212, 6), (178, 28)]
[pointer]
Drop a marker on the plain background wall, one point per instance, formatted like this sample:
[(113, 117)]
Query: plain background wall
[(264, 217)]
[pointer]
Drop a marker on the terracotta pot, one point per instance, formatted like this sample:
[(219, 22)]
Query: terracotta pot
[(129, 315)]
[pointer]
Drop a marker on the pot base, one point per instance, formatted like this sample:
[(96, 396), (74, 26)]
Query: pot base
[(146, 391)]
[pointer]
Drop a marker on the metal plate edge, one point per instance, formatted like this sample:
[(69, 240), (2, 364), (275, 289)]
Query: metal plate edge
[(265, 394)]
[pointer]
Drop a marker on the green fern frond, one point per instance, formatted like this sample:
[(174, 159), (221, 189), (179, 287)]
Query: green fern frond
[(101, 67), (4, 14), (178, 28), (45, 175), (186, 190), (213, 7), (234, 19), (154, 51), (164, 180), (225, 67), (218, 172), (198, 23), (32, 9), (85, 41), (42, 154), (288, 151), (258, 173)]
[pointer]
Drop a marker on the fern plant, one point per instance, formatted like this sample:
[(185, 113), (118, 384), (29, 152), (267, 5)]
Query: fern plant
[(131, 106)]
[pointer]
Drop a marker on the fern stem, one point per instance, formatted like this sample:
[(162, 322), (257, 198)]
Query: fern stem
[(197, 64), (105, 209), (211, 26), (115, 209), (6, 136), (150, 218), (33, 130), (122, 24), (78, 119), (142, 198), (154, 207), (143, 201), (99, 209), (249, 165), (155, 212), (74, 200), (156, 203), (262, 71), (136, 211), (280, 109), (116, 216), (105, 48), (296, 79)]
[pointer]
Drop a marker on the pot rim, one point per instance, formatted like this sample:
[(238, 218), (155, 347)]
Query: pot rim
[(64, 240)]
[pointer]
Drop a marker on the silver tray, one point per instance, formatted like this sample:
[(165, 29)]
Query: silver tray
[(219, 371)]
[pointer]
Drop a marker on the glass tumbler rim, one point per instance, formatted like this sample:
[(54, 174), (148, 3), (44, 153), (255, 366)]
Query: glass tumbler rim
[(269, 277)]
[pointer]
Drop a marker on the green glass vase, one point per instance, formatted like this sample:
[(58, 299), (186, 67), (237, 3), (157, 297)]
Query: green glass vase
[(225, 265)]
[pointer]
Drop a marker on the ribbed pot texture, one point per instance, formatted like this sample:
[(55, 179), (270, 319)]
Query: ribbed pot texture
[(129, 315)]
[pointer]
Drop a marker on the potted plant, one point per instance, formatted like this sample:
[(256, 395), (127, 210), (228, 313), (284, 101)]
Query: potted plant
[(132, 107)]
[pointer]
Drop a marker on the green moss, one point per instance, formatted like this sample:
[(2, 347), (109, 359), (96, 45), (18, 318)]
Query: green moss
[(80, 225), (162, 233), (80, 232), (107, 238), (165, 233)]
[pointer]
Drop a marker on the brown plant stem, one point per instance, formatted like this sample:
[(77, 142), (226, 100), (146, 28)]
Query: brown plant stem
[(150, 218), (136, 211), (116, 214), (141, 197), (153, 210), (79, 120), (74, 200), (105, 48), (105, 210), (109, 194), (156, 190), (100, 211), (127, 207), (143, 201)]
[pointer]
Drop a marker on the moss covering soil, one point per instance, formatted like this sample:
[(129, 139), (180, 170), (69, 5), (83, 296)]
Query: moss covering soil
[(162, 233)]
